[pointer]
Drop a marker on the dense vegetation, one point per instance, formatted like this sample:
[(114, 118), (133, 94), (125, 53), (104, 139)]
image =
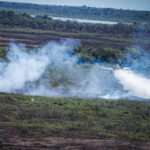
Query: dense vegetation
[(72, 117), (81, 12)]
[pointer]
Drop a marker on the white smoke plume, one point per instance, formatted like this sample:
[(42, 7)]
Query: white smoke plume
[(21, 68), (138, 85), (53, 70)]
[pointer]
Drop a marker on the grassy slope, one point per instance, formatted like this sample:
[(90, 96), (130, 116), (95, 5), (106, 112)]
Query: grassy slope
[(72, 117)]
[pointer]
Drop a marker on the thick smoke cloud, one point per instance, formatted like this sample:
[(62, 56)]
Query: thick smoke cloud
[(137, 84), (21, 67), (53, 70)]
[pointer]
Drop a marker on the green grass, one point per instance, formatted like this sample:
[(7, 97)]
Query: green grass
[(73, 117)]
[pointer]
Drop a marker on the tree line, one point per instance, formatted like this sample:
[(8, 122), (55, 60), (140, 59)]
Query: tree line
[(118, 15), (12, 19)]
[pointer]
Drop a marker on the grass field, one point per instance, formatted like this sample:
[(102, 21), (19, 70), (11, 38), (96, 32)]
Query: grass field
[(31, 37), (42, 123), (72, 117)]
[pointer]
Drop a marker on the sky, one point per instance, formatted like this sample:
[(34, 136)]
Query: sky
[(125, 4)]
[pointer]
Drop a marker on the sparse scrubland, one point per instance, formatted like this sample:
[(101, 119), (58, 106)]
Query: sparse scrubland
[(41, 117)]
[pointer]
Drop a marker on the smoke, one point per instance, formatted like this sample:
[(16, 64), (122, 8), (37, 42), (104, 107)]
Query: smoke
[(137, 84), (21, 67), (54, 70)]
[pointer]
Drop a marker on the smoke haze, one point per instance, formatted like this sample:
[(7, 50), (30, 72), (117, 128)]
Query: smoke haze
[(53, 70)]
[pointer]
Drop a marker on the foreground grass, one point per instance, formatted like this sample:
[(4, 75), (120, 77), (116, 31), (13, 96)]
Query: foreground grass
[(73, 117)]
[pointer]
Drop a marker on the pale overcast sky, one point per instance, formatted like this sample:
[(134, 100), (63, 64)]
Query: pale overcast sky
[(126, 4)]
